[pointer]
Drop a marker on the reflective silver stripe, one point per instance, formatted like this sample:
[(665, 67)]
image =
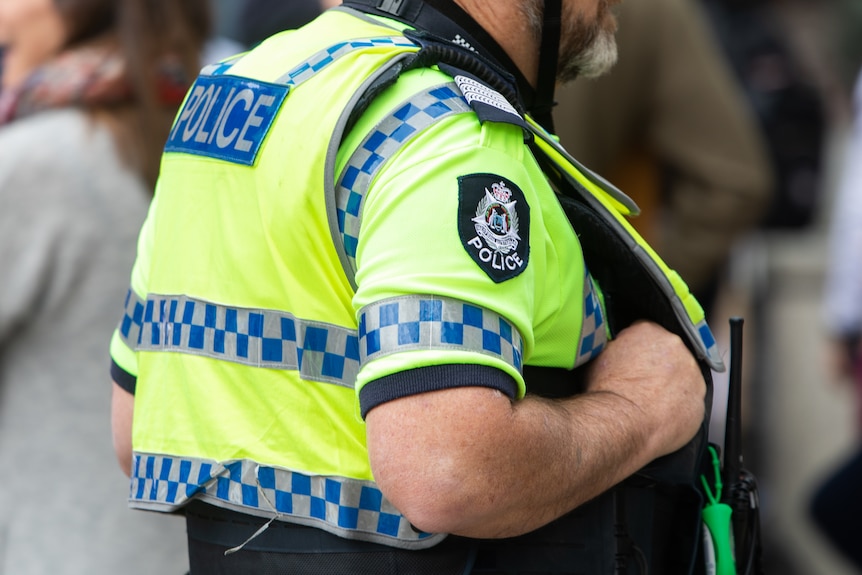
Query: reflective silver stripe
[(346, 507), (594, 334), (708, 340), (318, 61), (325, 57), (261, 338), (406, 121), (427, 322), (221, 68)]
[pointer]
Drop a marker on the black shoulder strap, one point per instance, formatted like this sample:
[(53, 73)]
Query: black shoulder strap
[(435, 51)]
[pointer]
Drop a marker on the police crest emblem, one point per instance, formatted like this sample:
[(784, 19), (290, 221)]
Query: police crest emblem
[(494, 224)]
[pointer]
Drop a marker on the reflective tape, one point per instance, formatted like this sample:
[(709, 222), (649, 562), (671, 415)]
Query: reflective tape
[(415, 322), (594, 333), (262, 338), (228, 117), (415, 115), (347, 507), (318, 351), (317, 62), (325, 57)]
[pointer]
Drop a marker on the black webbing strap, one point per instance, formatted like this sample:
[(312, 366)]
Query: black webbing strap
[(549, 55)]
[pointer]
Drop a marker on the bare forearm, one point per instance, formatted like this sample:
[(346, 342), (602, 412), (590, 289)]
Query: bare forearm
[(558, 456), (469, 461), (521, 471)]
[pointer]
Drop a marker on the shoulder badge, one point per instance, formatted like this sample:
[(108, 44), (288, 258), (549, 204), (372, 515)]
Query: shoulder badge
[(494, 224)]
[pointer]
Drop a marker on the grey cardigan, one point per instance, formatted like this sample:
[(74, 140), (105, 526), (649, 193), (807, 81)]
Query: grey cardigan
[(70, 213)]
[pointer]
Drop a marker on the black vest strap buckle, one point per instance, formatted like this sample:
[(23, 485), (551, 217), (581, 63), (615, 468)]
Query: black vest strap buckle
[(394, 7)]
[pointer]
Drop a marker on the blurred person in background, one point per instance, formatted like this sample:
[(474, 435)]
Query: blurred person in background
[(260, 19), (89, 91), (836, 504), (669, 125)]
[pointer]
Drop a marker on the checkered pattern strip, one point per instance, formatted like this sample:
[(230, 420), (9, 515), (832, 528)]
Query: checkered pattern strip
[(708, 339), (348, 507), (262, 338), (317, 62), (221, 68), (415, 322), (324, 58), (594, 334), (409, 119)]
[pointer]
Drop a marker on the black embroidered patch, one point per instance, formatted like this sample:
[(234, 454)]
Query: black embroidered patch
[(494, 224)]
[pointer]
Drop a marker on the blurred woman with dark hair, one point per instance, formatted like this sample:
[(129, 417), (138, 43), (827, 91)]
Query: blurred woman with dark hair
[(87, 95)]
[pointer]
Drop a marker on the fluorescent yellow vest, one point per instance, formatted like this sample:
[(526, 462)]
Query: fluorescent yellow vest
[(247, 159), (314, 471)]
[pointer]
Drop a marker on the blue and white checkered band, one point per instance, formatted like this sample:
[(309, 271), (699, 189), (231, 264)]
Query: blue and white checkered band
[(262, 338), (316, 62), (347, 507), (229, 117), (409, 119), (221, 68), (594, 333), (427, 322), (324, 58), (708, 339)]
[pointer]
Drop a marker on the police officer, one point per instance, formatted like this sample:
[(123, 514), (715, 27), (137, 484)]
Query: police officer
[(353, 281)]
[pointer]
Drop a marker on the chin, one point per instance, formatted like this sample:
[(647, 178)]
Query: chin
[(595, 60)]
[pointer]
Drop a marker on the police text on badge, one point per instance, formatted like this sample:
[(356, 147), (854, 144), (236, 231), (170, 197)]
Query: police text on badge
[(494, 224), (227, 118)]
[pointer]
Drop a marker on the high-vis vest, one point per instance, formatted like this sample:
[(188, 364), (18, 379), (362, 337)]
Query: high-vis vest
[(271, 284)]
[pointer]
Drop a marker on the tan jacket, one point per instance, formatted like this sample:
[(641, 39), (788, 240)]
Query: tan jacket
[(671, 127)]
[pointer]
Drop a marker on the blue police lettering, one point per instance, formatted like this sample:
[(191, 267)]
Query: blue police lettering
[(226, 118), (244, 106)]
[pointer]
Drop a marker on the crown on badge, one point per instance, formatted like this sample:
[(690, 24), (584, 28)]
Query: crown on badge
[(501, 192)]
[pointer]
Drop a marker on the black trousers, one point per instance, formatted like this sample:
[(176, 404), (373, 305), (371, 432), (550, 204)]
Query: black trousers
[(285, 548), (632, 530)]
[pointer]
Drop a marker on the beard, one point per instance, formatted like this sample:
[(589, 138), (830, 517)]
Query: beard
[(587, 49), (591, 61)]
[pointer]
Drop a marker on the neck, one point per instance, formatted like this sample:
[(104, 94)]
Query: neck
[(505, 22)]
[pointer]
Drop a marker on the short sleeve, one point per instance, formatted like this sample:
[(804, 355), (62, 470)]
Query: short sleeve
[(444, 270)]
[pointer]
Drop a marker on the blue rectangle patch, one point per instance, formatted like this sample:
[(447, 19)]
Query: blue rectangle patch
[(227, 118)]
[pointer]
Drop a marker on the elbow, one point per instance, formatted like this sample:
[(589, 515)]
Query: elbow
[(124, 459), (438, 500), (122, 408), (123, 453)]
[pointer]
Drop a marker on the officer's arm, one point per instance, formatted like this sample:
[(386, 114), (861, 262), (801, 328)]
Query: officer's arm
[(122, 407), (471, 462)]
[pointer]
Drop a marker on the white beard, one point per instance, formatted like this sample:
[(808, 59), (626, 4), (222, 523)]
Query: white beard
[(597, 59)]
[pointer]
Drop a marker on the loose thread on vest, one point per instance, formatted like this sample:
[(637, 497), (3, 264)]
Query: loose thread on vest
[(263, 527)]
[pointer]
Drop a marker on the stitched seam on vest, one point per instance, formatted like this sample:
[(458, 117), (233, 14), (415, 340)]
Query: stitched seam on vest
[(260, 338), (435, 323), (408, 120), (347, 507)]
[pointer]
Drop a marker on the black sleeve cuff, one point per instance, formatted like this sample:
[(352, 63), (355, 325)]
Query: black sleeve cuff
[(433, 378), (123, 378)]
